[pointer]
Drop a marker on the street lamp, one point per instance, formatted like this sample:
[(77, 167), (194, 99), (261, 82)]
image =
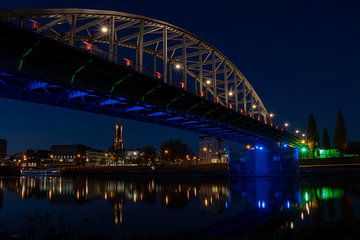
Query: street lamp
[(177, 66), (104, 29)]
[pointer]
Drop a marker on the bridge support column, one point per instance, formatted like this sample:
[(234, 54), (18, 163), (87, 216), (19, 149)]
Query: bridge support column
[(264, 161)]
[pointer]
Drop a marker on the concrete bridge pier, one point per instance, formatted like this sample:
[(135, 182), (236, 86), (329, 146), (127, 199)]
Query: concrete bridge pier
[(264, 161)]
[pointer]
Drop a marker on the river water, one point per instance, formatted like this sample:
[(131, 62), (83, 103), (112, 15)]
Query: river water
[(101, 208)]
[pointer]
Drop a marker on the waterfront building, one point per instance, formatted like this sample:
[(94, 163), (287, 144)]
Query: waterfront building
[(97, 157), (31, 158), (3, 150), (134, 156), (69, 154), (211, 150)]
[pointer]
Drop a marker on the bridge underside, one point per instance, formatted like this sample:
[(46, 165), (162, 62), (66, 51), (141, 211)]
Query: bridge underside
[(39, 69)]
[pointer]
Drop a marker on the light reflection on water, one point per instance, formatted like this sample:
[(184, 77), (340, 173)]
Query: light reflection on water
[(33, 206)]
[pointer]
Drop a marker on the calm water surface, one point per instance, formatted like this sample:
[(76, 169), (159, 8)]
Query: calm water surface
[(81, 207)]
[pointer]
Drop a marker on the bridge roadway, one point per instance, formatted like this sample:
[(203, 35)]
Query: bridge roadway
[(39, 69)]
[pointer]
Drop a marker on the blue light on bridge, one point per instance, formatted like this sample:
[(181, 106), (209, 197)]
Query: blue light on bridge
[(155, 114), (135, 108), (288, 204), (174, 118), (285, 145), (261, 204), (76, 94), (36, 84), (189, 122), (111, 102)]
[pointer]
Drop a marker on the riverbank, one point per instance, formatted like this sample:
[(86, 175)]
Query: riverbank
[(349, 166), (220, 169)]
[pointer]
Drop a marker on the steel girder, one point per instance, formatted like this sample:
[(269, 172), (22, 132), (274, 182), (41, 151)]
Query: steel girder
[(156, 47)]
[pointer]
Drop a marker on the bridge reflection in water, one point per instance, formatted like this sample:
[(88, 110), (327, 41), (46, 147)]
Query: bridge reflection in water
[(131, 207)]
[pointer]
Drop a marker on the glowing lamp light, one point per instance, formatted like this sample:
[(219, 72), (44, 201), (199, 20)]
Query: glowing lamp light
[(303, 135), (104, 29), (271, 115), (127, 62), (248, 147), (303, 141), (177, 65), (231, 94), (230, 106), (182, 85), (158, 75), (286, 124), (208, 82), (202, 94), (34, 25), (261, 148), (297, 131), (253, 106), (88, 46), (205, 149)]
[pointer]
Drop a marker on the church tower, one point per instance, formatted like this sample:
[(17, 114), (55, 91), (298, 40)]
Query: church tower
[(118, 144)]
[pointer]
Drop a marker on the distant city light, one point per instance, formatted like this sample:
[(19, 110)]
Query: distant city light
[(303, 135), (286, 124), (166, 151), (205, 149), (297, 131)]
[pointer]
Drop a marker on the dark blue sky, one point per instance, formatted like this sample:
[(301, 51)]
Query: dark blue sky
[(301, 57)]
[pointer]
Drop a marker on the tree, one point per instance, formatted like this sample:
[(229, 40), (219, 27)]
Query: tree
[(326, 139), (149, 154), (312, 132), (173, 150), (340, 132)]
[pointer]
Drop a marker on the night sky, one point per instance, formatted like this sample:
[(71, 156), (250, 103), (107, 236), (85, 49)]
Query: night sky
[(301, 57)]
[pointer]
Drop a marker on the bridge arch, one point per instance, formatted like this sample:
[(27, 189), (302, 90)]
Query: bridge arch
[(156, 48)]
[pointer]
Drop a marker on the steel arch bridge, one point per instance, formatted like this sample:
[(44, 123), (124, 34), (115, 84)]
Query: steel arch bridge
[(154, 49)]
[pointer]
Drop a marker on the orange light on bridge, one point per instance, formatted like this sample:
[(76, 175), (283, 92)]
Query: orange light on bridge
[(182, 85), (34, 24), (202, 94), (230, 106), (88, 46), (127, 62)]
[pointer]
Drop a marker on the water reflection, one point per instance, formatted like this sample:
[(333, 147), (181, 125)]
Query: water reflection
[(158, 206)]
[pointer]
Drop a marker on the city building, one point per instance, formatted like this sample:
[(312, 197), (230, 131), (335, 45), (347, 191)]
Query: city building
[(211, 150), (118, 143), (69, 154), (31, 158), (3, 149), (97, 157), (134, 156)]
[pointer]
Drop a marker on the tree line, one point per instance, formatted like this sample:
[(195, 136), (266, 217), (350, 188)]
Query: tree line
[(340, 138)]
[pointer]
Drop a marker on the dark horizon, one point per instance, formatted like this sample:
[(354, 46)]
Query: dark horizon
[(301, 58)]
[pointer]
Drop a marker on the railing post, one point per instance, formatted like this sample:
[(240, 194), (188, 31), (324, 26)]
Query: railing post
[(73, 29), (112, 57)]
